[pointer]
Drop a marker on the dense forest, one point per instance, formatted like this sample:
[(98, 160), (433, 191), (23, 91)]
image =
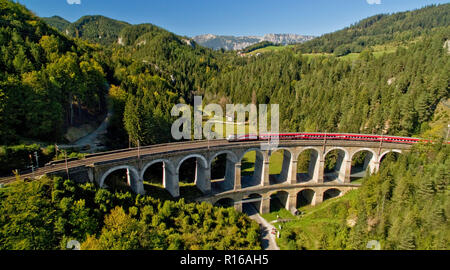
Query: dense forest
[(404, 206), (95, 29), (45, 214), (394, 93), (45, 78), (315, 93), (151, 69), (154, 70), (380, 29)]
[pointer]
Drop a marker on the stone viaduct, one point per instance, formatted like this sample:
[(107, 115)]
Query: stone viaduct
[(237, 186), (290, 188)]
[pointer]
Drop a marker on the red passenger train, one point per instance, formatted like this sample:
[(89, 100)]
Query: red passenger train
[(322, 136)]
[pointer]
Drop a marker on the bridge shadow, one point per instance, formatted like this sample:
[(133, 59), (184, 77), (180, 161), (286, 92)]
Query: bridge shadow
[(303, 178), (249, 209), (357, 174), (276, 204), (274, 179), (117, 182), (157, 191), (247, 172), (189, 192), (332, 177), (248, 181), (245, 165), (219, 186)]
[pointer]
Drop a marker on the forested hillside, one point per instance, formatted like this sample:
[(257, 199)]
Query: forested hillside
[(59, 23), (45, 78), (394, 94), (45, 214), (95, 29), (48, 78), (405, 206), (150, 69), (380, 29), (154, 70)]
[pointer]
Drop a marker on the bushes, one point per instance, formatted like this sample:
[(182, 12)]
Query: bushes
[(45, 214), (17, 157)]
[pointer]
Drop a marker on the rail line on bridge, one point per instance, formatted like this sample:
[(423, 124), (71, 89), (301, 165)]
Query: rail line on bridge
[(257, 189)]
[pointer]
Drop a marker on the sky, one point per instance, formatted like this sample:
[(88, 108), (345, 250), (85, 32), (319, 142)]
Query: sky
[(231, 17)]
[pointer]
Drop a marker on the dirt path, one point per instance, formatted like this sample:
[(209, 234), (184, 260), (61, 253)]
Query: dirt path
[(92, 141), (268, 241)]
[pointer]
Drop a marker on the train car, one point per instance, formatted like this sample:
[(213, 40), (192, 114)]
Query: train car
[(392, 139), (239, 138), (322, 136)]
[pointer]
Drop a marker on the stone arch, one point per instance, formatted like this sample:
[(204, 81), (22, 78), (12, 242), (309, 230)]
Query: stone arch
[(313, 165), (291, 152), (252, 204), (133, 180), (202, 172), (168, 164), (202, 158), (331, 193), (224, 202), (279, 199), (258, 150), (387, 152), (339, 172), (257, 176), (370, 162), (364, 149), (232, 155), (305, 197), (228, 181), (336, 148), (300, 150), (170, 181), (283, 176)]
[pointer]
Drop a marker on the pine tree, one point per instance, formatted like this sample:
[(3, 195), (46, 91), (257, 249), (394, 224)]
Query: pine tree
[(406, 241)]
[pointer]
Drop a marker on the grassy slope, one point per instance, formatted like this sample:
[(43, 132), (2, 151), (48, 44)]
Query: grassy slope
[(318, 218), (276, 161), (322, 218), (270, 49), (378, 50), (438, 126)]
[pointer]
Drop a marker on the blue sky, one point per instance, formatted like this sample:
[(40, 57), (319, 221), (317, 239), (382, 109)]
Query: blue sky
[(232, 17)]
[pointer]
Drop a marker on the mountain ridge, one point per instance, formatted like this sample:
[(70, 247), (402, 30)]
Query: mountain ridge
[(226, 42), (106, 31), (94, 28), (379, 29)]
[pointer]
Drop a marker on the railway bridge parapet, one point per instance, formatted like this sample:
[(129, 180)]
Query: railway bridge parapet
[(238, 183), (244, 177)]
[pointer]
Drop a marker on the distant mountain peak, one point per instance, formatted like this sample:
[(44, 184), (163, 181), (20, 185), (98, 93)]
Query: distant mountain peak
[(59, 18), (217, 42)]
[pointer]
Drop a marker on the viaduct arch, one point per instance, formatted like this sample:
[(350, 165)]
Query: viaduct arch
[(309, 187)]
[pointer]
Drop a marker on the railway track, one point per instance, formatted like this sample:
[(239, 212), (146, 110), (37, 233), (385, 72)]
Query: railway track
[(176, 147)]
